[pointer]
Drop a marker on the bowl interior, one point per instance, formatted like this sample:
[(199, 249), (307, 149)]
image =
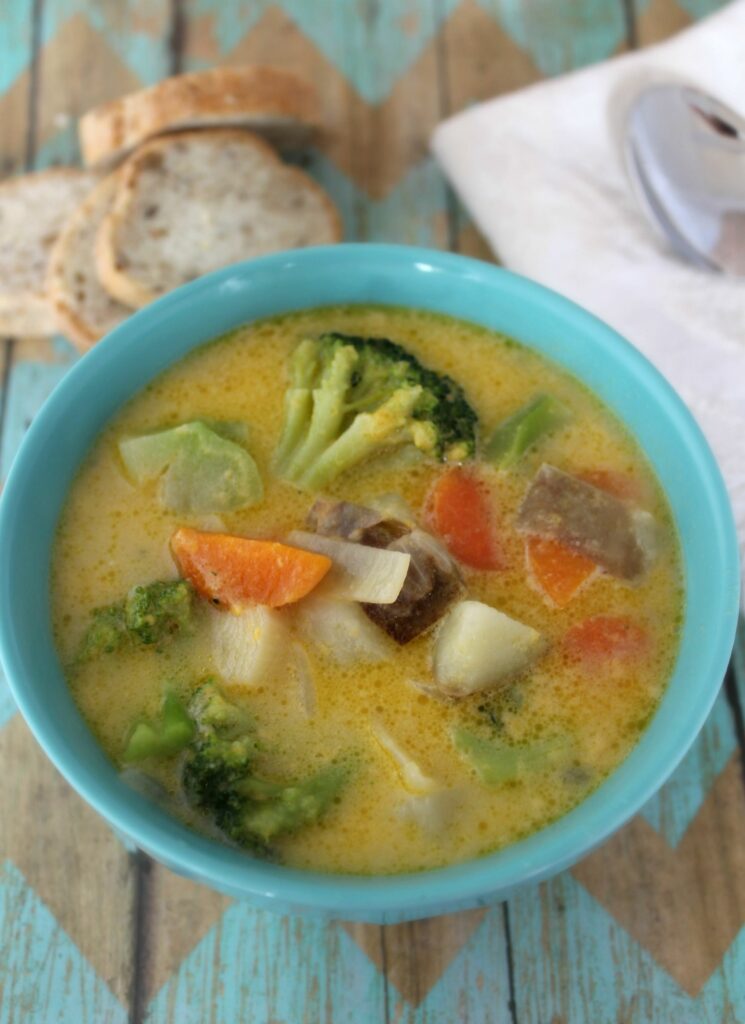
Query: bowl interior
[(152, 339)]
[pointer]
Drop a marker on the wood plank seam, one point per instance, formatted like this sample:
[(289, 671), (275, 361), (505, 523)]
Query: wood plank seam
[(141, 868), (8, 351), (386, 983), (629, 17), (33, 89), (443, 85), (176, 36), (512, 1000), (733, 699)]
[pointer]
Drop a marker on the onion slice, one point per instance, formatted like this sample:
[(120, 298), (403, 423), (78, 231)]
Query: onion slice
[(359, 572)]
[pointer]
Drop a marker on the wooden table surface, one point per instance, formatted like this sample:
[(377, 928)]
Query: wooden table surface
[(647, 929)]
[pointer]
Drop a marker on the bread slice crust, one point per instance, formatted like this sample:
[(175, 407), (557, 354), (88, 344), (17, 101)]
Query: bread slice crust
[(275, 103), (189, 203), (83, 310), (33, 209)]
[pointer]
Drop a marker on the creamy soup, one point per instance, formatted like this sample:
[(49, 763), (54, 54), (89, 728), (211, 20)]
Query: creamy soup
[(373, 727)]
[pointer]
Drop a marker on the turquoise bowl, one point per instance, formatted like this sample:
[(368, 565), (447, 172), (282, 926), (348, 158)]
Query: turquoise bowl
[(154, 338)]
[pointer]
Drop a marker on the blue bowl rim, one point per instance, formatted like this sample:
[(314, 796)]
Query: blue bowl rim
[(421, 892)]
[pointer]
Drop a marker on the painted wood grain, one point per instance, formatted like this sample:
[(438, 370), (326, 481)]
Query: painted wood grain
[(658, 19), (76, 867), (90, 53), (16, 78)]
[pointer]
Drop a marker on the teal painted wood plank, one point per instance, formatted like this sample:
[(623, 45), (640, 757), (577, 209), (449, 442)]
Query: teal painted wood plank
[(574, 964), (412, 213), (44, 979), (133, 29), (258, 966), (474, 988), (372, 44), (562, 35), (29, 385), (700, 8), (695, 9), (16, 48), (93, 51), (16, 21)]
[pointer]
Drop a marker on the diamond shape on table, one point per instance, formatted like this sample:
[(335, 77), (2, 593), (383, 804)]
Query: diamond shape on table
[(559, 43), (43, 975), (255, 965), (414, 955), (574, 961)]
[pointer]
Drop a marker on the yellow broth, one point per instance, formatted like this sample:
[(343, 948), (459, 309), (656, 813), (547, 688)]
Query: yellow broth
[(113, 535)]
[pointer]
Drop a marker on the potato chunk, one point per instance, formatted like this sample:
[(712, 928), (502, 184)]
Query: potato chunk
[(251, 648), (478, 647)]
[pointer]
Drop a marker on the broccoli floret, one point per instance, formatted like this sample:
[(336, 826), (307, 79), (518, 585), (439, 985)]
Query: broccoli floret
[(158, 611), (152, 614), (106, 633), (219, 777), (277, 808), (351, 398)]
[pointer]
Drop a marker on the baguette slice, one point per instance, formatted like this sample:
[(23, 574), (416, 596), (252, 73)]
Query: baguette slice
[(33, 209), (83, 309), (276, 104), (190, 203)]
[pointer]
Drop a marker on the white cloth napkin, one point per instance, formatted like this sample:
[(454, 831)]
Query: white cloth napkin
[(540, 173)]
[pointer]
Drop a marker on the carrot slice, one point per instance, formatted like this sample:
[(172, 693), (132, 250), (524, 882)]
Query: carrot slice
[(234, 572), (605, 638), (459, 510), (620, 485), (557, 571)]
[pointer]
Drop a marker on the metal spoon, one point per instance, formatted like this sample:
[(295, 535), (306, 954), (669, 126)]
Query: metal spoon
[(685, 157)]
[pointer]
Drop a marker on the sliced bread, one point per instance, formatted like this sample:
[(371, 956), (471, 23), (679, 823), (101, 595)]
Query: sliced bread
[(276, 104), (83, 309), (33, 209), (190, 203)]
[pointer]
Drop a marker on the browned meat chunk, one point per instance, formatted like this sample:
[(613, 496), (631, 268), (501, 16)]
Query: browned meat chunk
[(354, 522), (616, 536), (432, 583)]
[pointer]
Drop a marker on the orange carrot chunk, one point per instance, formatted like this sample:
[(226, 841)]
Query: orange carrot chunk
[(555, 570), (606, 638), (459, 510), (235, 572)]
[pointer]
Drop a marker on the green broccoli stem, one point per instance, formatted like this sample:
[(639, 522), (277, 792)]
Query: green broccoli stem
[(298, 407), (513, 438), (368, 433), (298, 404), (329, 410), (167, 736)]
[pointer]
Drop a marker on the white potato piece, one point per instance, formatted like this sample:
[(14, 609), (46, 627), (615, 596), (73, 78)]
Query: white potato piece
[(478, 647), (342, 630), (251, 648), (359, 572)]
